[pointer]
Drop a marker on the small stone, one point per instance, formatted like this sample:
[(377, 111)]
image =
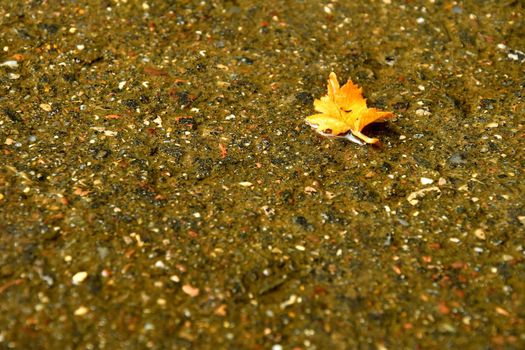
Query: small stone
[(502, 311), (426, 181), (46, 107), (221, 310), (305, 98), (81, 311), (446, 328), (158, 121), (10, 64), (422, 112), (268, 211), (190, 290), (457, 159), (310, 190), (79, 277), (160, 265), (175, 278), (245, 184), (412, 198), (330, 195), (480, 234), (301, 221)]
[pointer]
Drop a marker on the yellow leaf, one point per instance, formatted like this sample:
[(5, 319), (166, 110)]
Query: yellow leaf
[(344, 110)]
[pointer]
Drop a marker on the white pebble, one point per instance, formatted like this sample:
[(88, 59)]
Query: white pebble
[(426, 181), (422, 112), (10, 64), (175, 278), (79, 277), (81, 311)]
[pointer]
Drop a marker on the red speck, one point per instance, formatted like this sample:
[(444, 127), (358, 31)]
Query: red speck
[(224, 152), (443, 308)]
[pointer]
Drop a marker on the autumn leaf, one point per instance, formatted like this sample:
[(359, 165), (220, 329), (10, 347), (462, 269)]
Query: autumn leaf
[(343, 112)]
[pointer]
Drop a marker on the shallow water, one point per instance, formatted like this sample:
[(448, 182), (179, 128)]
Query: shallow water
[(160, 189)]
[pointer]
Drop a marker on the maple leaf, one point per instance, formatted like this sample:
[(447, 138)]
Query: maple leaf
[(344, 112)]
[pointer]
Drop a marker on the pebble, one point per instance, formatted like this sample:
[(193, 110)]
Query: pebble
[(10, 64), (79, 277), (190, 290), (412, 198), (175, 278), (309, 190), (160, 265), (304, 98), (458, 158), (46, 107), (480, 234), (426, 181), (422, 112), (81, 311)]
